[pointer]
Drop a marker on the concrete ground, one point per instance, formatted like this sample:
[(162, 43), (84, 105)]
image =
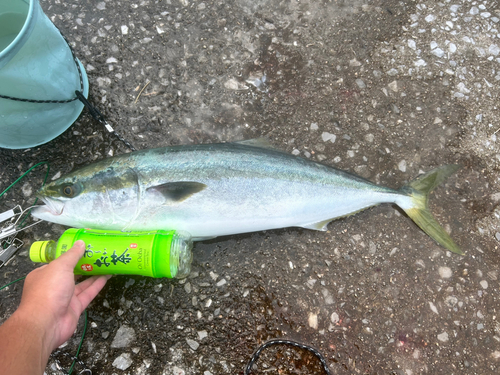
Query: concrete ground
[(384, 89)]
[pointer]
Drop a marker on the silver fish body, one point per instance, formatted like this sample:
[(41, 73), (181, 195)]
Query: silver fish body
[(211, 190)]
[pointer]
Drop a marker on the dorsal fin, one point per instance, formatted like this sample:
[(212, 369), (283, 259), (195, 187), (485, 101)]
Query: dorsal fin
[(262, 142)]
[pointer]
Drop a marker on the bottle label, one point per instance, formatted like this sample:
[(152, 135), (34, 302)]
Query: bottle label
[(87, 267), (111, 252)]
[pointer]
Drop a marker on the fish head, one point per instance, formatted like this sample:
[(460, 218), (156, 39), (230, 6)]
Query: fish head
[(92, 197), (65, 201)]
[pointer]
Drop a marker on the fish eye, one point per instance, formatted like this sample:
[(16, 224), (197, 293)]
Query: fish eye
[(70, 190)]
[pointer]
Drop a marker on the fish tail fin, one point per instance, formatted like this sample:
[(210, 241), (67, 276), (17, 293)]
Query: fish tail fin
[(418, 190)]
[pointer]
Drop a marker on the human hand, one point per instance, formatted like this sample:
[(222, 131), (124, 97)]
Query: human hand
[(52, 300)]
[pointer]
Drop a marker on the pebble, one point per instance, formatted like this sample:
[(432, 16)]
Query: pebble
[(354, 62), (178, 371), (124, 336), (124, 29), (335, 318), (27, 190), (123, 362), (157, 288), (420, 62), (313, 320), (202, 334), (103, 81), (445, 272), (57, 175), (451, 301), (233, 84), (221, 282), (360, 83), (430, 18), (402, 165), (484, 284), (438, 52), (433, 308), (325, 136), (494, 50), (393, 72), (327, 296), (443, 337), (192, 344)]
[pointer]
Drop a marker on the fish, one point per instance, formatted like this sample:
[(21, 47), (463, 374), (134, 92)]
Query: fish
[(219, 189)]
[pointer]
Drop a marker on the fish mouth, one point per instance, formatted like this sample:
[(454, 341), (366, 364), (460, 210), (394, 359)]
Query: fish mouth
[(52, 206)]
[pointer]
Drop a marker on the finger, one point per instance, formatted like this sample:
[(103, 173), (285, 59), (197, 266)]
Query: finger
[(86, 283), (73, 255), (86, 296)]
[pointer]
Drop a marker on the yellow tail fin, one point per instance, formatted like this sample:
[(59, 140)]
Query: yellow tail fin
[(419, 190)]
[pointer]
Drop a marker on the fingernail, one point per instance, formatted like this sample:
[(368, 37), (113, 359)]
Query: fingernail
[(79, 243)]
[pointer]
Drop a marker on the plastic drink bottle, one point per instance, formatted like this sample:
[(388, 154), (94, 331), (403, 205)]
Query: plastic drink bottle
[(149, 253)]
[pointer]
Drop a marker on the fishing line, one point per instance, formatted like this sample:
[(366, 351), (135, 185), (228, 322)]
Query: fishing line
[(269, 343), (12, 282), (25, 173)]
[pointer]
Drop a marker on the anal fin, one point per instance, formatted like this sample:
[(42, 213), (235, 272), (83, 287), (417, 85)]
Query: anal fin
[(320, 225)]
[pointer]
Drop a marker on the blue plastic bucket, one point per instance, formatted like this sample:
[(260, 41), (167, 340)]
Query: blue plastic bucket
[(36, 64)]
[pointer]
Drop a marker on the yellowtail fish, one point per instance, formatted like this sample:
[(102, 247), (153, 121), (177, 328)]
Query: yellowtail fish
[(214, 190)]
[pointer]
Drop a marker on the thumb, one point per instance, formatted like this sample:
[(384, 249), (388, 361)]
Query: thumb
[(73, 255)]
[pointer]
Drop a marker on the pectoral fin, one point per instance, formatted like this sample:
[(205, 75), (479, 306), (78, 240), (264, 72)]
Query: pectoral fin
[(177, 191)]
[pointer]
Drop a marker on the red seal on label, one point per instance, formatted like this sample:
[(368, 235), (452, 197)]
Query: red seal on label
[(87, 267), (133, 246)]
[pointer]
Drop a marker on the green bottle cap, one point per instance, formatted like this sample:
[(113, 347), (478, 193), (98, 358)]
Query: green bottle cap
[(37, 251)]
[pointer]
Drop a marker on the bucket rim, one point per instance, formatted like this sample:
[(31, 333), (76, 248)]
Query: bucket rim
[(23, 31)]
